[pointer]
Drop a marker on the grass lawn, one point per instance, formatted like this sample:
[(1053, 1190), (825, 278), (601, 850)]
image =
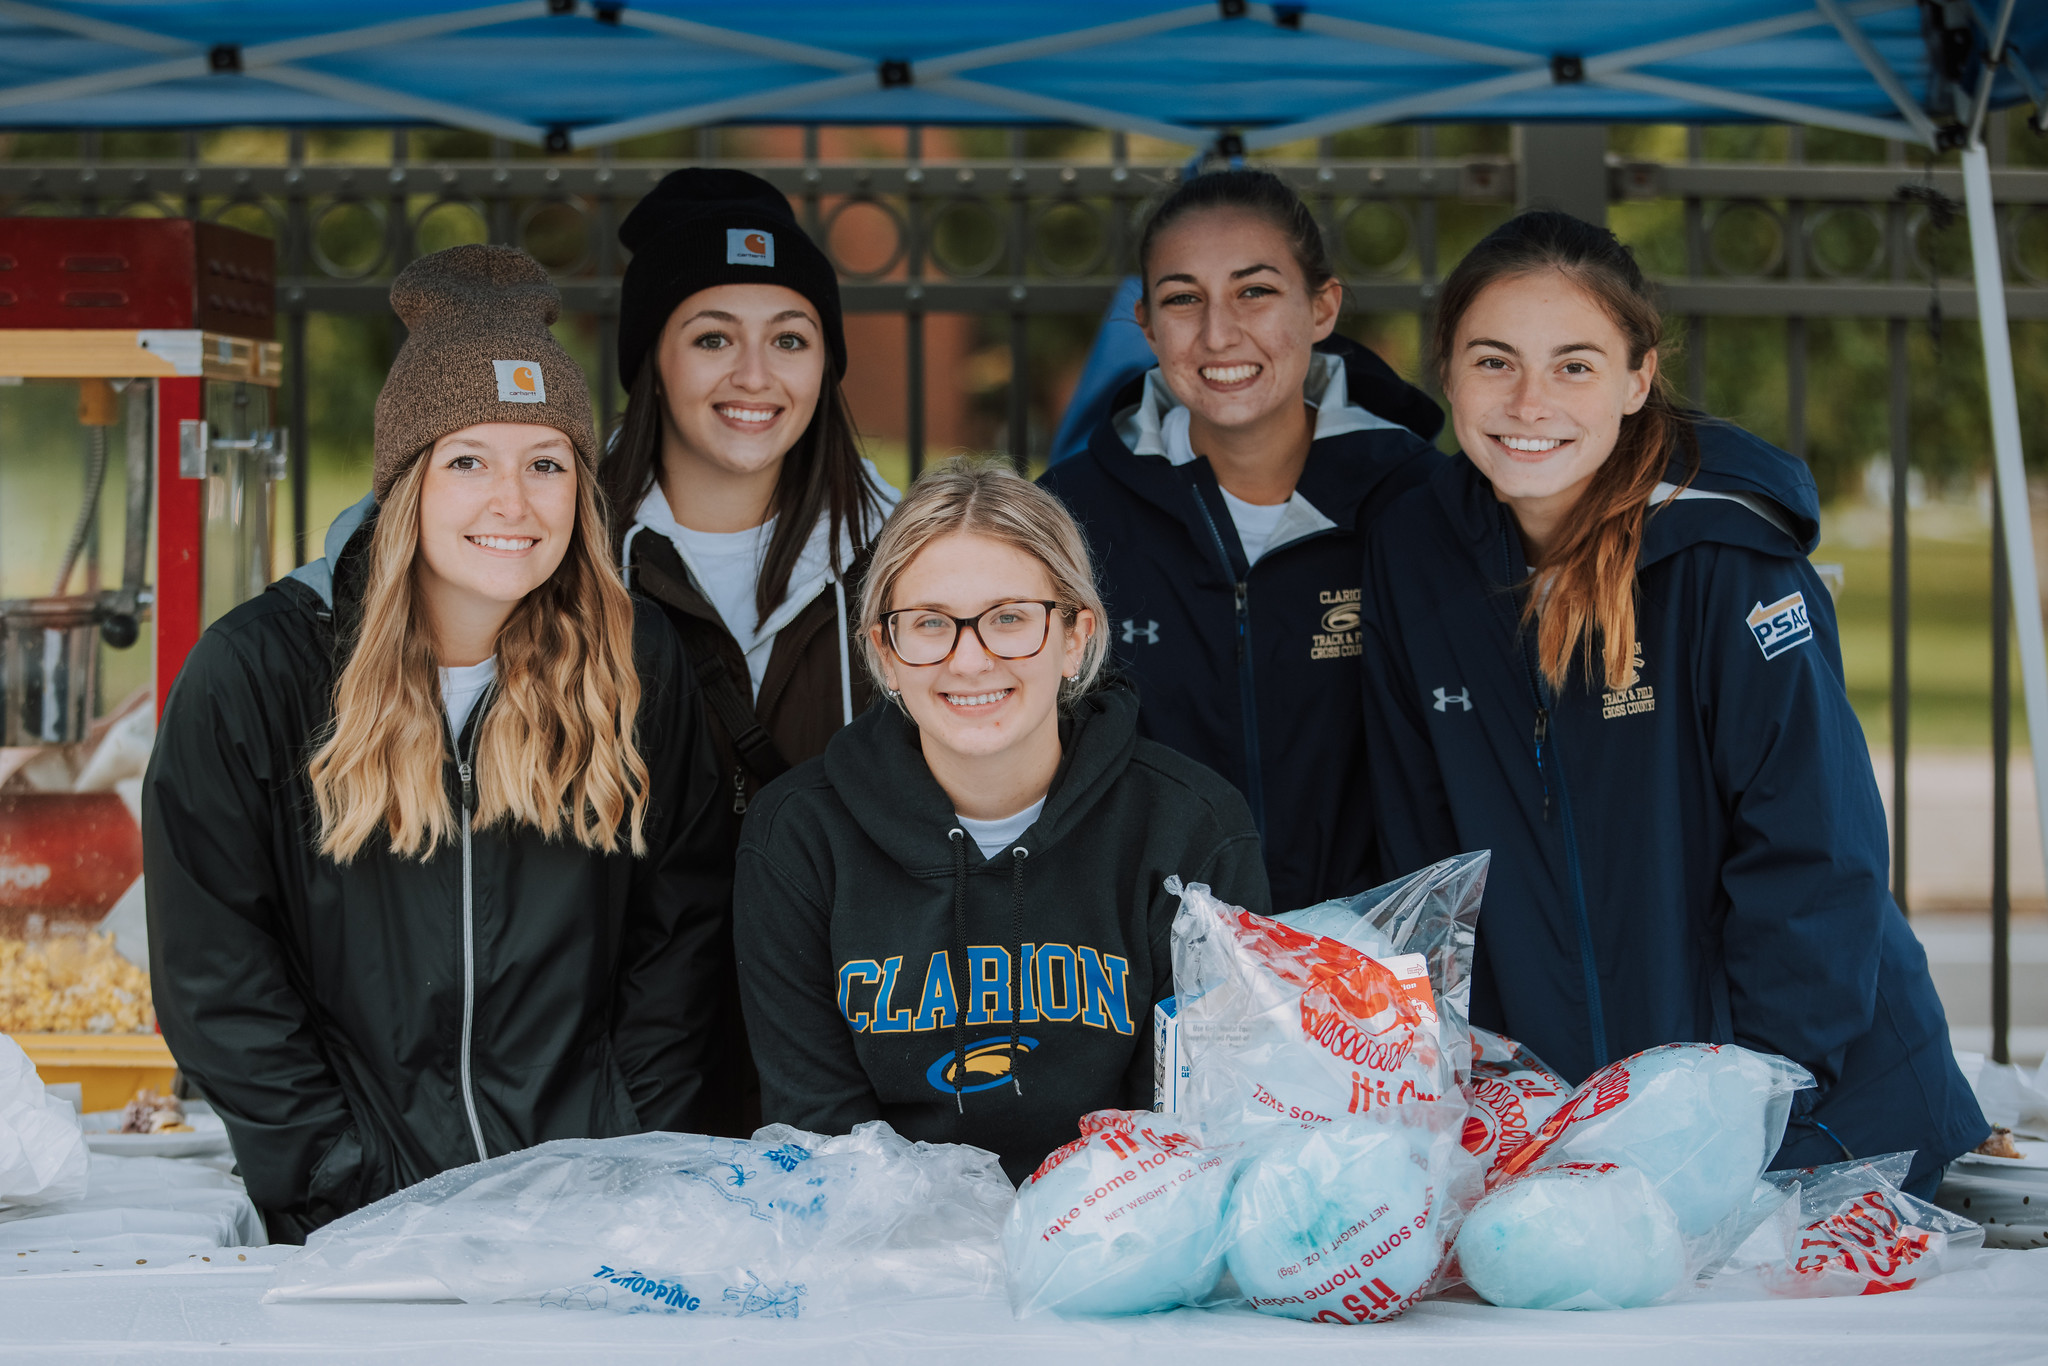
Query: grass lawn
[(1949, 639)]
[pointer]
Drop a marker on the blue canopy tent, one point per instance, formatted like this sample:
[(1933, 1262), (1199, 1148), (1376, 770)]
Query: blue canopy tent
[(1228, 76)]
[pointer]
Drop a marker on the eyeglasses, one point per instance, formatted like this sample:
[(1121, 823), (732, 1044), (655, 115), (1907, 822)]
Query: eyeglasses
[(919, 636)]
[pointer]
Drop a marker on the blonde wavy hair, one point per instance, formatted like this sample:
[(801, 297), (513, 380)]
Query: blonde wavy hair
[(557, 751), (985, 496)]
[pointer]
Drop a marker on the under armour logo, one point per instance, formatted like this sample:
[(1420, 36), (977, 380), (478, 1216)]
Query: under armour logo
[(1462, 698), (1150, 631)]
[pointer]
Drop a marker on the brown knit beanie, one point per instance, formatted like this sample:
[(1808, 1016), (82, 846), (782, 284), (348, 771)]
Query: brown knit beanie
[(477, 349)]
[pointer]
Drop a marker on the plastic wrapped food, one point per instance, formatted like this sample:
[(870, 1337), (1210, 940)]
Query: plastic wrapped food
[(43, 1157), (1124, 1220), (1348, 1222), (1510, 1094), (1280, 1025), (1699, 1120), (1582, 1235), (781, 1224), (1848, 1229), (1433, 912)]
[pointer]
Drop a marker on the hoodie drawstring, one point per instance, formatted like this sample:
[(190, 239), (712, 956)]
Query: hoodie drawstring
[(1017, 857), (626, 554), (959, 838), (845, 662)]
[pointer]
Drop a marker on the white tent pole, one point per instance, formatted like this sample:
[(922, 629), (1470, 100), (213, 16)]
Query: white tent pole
[(2008, 462), (1069, 111), (99, 30), (1782, 111), (1874, 62)]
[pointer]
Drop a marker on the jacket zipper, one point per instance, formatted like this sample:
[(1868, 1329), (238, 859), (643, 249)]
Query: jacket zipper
[(1589, 966), (1255, 782), (465, 765)]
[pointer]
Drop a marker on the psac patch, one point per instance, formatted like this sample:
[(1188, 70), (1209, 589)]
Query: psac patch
[(1781, 625)]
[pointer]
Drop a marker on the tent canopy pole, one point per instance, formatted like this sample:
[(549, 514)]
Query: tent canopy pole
[(2008, 462)]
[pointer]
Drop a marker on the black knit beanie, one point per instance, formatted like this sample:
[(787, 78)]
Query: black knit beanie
[(702, 227)]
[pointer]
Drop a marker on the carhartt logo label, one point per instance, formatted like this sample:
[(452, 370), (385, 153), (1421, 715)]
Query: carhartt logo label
[(520, 381), (1338, 636), (1634, 696), (1446, 699), (749, 247), (1781, 625), (1133, 633)]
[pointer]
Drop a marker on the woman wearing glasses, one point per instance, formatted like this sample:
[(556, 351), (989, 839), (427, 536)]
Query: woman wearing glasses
[(954, 919)]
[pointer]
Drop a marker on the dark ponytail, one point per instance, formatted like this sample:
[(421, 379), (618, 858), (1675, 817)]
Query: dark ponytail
[(821, 476), (1258, 192), (1593, 567)]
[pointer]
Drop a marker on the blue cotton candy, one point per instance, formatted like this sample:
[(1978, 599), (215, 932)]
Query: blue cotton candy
[(1335, 1223), (1573, 1238), (1125, 1221), (1695, 1123)]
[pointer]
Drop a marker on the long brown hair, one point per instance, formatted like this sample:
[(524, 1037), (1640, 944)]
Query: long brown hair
[(821, 476), (1591, 572), (557, 750)]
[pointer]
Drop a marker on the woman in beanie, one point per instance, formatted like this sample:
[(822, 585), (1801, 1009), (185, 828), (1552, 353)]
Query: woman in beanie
[(432, 827), (739, 498), (955, 918)]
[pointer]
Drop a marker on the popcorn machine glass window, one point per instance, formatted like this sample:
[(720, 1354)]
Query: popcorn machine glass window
[(138, 460)]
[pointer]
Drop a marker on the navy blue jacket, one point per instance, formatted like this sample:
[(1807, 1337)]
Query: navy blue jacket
[(1254, 671), (1700, 857)]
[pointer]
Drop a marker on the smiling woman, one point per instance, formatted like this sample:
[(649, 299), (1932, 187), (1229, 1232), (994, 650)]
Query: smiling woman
[(1231, 496), (738, 496), (459, 712), (1594, 645), (1034, 966)]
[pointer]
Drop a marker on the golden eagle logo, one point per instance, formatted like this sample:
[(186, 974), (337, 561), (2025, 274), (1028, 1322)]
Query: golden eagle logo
[(987, 1065)]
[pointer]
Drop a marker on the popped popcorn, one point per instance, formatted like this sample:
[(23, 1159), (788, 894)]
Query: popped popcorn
[(72, 984)]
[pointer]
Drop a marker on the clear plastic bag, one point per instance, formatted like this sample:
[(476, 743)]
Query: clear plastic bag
[(1580, 1235), (1123, 1220), (1433, 912), (1279, 1025), (1352, 1221), (781, 1224), (1847, 1229), (43, 1157), (1695, 1122), (1510, 1093)]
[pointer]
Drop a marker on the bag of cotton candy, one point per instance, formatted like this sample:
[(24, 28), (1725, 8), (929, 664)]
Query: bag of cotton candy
[(1661, 1150), (1847, 1229), (782, 1224), (1278, 1025), (1433, 912), (1123, 1220), (1350, 1221), (1510, 1093)]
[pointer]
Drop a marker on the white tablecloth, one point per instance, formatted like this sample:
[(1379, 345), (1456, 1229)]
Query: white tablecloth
[(1995, 1313)]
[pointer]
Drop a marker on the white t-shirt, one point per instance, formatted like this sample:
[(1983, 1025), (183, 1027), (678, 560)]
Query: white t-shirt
[(992, 837), (1256, 523), (460, 689), (728, 565)]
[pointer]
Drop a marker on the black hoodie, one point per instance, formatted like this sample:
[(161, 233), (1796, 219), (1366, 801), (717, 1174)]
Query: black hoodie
[(857, 897)]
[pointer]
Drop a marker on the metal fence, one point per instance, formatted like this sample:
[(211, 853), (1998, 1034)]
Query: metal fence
[(1012, 237)]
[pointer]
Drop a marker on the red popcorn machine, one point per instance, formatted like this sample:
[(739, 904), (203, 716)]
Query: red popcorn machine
[(137, 353)]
